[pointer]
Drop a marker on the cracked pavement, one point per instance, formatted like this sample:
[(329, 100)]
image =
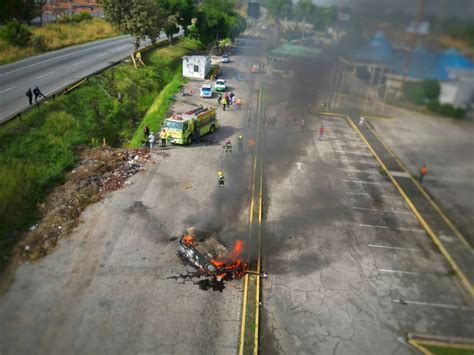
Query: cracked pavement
[(350, 269)]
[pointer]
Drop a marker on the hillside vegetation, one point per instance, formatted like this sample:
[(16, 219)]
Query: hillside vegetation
[(55, 36), (37, 151)]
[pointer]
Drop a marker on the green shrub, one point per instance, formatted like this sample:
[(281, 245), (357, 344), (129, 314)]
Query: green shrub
[(433, 105), (431, 89), (414, 92), (76, 18), (38, 43), (451, 111), (16, 34)]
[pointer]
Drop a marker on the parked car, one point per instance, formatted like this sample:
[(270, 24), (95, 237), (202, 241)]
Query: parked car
[(225, 58), (206, 90), (255, 68), (220, 85)]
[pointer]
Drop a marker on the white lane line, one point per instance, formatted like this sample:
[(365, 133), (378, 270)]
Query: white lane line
[(378, 210), (7, 90), (355, 153), (431, 304), (398, 272), (352, 161), (400, 174), (122, 47), (357, 193), (391, 247), (102, 54), (79, 62), (367, 182), (44, 75), (393, 228), (361, 171)]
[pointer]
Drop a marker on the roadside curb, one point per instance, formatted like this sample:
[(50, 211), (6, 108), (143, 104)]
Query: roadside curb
[(421, 341)]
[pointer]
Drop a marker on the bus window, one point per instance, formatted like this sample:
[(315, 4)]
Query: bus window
[(185, 126)]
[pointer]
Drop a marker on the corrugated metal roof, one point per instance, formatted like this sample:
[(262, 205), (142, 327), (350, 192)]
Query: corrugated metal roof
[(293, 50)]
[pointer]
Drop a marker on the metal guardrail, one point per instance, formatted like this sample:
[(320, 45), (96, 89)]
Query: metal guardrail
[(75, 84)]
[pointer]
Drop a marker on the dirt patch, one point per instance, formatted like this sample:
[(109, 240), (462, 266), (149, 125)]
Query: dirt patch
[(100, 170)]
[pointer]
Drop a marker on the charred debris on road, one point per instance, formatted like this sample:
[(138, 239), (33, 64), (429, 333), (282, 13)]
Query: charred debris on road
[(100, 170), (210, 258)]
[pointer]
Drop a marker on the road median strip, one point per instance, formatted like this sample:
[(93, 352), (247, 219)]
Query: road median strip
[(250, 325)]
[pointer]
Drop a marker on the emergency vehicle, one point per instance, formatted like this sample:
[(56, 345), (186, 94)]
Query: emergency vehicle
[(181, 128)]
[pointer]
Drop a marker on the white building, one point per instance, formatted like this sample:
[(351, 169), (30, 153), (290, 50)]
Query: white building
[(196, 66), (459, 90)]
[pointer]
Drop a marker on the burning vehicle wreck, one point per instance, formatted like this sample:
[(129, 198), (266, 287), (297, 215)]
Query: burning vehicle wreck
[(204, 252)]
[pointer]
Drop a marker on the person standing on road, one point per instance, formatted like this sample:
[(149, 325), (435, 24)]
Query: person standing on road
[(240, 144), (321, 133), (303, 123), (38, 94), (224, 103), (163, 138), (29, 94), (361, 121), (423, 172), (146, 131), (219, 99), (151, 140)]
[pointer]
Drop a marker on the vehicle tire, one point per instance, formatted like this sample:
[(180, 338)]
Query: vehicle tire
[(189, 140), (211, 268), (213, 129)]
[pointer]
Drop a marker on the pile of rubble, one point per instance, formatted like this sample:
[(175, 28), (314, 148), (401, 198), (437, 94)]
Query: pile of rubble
[(100, 170)]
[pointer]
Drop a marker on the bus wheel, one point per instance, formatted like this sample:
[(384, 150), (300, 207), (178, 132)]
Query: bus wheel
[(189, 140), (213, 128)]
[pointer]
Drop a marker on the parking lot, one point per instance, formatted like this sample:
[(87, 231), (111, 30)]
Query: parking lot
[(353, 271)]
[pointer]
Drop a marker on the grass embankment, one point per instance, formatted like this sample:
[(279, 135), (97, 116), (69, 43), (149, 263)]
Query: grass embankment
[(160, 106), (441, 350), (59, 35), (36, 151)]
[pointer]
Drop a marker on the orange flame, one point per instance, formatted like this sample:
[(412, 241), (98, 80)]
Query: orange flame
[(187, 239), (232, 261)]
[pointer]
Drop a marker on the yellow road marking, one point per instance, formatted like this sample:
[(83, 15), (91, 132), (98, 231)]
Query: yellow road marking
[(423, 191), (244, 314), (252, 204), (464, 280), (246, 277), (418, 346), (420, 341), (257, 286), (75, 86)]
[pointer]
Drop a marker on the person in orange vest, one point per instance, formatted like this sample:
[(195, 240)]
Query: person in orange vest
[(423, 172)]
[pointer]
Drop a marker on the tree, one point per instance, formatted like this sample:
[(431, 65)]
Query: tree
[(216, 20), (170, 27), (21, 10), (305, 9), (277, 9), (139, 18), (183, 10)]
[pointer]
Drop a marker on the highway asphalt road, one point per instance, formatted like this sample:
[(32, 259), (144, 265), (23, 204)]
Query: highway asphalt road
[(54, 70)]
